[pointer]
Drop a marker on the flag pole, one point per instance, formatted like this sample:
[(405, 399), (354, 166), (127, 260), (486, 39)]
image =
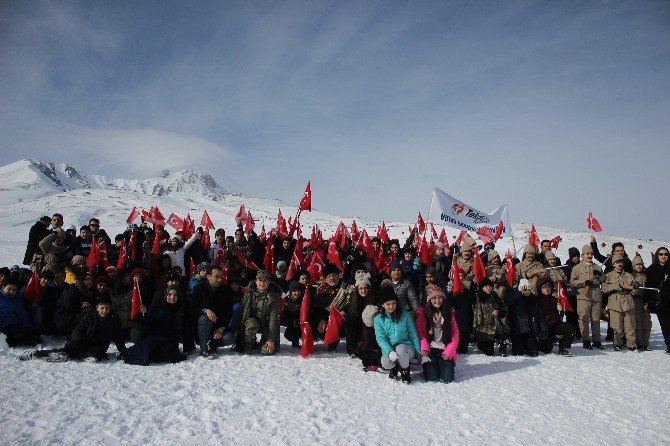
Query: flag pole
[(512, 230), (430, 207)]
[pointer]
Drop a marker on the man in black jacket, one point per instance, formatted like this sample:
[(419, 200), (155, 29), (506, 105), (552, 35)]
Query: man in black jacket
[(213, 306), (658, 276), (37, 232)]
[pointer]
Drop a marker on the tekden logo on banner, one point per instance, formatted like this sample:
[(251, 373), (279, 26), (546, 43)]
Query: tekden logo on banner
[(450, 211)]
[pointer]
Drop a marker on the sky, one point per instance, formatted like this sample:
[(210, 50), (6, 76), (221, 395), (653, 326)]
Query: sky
[(554, 108)]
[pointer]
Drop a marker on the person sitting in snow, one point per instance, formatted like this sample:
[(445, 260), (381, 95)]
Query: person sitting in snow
[(162, 325), (213, 307), (14, 320), (91, 337)]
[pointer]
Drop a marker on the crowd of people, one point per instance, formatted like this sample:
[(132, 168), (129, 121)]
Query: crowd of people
[(397, 308)]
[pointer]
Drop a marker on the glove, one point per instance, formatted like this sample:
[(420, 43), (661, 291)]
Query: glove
[(597, 273), (121, 355), (588, 283), (393, 356)]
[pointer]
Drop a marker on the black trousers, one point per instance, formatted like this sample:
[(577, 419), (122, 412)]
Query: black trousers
[(463, 342), (565, 331), (664, 322), (20, 335)]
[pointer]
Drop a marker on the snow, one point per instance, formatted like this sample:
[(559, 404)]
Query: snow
[(594, 397)]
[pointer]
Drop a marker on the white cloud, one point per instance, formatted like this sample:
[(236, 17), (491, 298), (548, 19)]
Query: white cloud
[(147, 150)]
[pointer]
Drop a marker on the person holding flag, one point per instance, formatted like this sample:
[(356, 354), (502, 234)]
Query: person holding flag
[(553, 312), (527, 324)]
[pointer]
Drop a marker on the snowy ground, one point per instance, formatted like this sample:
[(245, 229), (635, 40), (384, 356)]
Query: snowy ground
[(592, 398)]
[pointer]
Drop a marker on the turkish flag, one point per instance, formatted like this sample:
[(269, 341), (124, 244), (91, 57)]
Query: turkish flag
[(220, 257), (383, 234), (296, 261), (224, 274), (175, 221), (123, 256), (33, 292), (94, 253), (241, 216), (191, 268), (499, 231), (533, 239), (156, 246), (315, 268), (485, 234), (250, 224), (425, 255), (457, 282), (354, 232), (132, 245), (269, 259), (365, 244), (136, 302), (335, 320), (563, 299), (282, 229), (157, 216), (478, 267), (333, 256), (104, 262), (306, 201), (593, 223), (206, 240), (443, 238), (244, 261), (555, 241), (511, 271), (206, 222), (133, 215), (461, 237), (420, 223), (263, 236)]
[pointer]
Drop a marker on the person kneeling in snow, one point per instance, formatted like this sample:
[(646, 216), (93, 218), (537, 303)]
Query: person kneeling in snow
[(259, 314), (91, 337), (395, 335), (438, 334), (162, 324)]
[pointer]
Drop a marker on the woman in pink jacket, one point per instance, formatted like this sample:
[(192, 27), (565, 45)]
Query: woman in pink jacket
[(438, 335)]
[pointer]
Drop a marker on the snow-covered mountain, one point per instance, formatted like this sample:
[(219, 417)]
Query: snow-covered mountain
[(31, 178)]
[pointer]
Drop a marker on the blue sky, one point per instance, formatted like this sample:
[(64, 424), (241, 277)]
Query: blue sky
[(555, 108)]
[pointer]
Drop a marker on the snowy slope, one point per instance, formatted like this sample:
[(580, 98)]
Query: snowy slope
[(593, 398), (30, 179)]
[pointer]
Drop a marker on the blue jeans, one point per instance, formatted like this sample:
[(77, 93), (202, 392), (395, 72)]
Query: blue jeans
[(205, 331), (438, 369)]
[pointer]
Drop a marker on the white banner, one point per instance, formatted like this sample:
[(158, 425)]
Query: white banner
[(449, 211)]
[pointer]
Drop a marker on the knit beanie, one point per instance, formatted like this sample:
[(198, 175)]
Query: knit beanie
[(78, 259), (637, 260), (434, 292), (368, 316), (363, 280), (387, 294)]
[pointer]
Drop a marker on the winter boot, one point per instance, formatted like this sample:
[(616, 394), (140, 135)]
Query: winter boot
[(644, 348), (393, 374), (502, 350), (404, 374), (631, 349), (565, 352), (295, 344), (617, 348), (587, 345), (248, 348), (598, 345)]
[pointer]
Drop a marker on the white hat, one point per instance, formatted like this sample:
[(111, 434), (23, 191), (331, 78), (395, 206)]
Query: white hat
[(524, 284)]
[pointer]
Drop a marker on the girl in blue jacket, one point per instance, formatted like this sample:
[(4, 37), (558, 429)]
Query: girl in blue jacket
[(396, 335)]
